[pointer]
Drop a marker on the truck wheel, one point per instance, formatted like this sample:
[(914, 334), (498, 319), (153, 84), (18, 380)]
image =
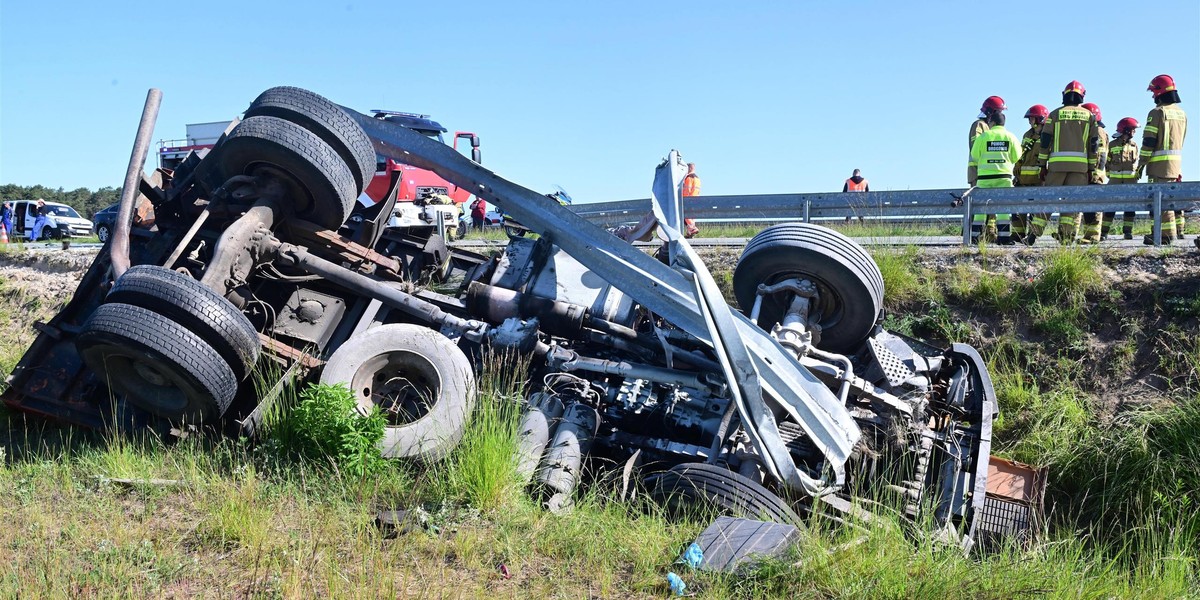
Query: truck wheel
[(709, 490), (325, 119), (195, 306), (103, 232), (418, 378), (156, 363), (321, 186), (849, 284)]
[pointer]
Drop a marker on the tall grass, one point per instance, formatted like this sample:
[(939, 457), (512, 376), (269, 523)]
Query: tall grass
[(903, 281), (481, 471)]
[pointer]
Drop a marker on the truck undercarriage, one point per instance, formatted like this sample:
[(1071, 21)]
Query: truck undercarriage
[(799, 402)]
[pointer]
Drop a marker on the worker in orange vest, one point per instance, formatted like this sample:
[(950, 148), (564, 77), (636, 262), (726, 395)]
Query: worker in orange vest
[(856, 183), (690, 187)]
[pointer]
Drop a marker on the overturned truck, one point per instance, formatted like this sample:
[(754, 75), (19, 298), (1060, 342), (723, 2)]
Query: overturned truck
[(798, 402)]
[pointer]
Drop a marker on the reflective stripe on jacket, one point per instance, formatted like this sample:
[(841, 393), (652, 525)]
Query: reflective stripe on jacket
[(977, 128), (1027, 171), (1100, 175), (1162, 142), (995, 152), (691, 185), (1069, 141), (1122, 160)]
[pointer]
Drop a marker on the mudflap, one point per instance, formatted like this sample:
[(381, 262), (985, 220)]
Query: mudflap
[(983, 409)]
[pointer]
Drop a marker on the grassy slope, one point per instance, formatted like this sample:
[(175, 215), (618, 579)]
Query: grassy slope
[(249, 522)]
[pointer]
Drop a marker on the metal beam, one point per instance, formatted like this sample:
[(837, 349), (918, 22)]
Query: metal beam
[(659, 288), (786, 207)]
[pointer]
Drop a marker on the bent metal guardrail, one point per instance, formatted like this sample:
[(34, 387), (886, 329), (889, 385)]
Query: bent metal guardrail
[(1152, 197)]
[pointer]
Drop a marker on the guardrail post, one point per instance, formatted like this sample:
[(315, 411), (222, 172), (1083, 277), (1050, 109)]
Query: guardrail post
[(807, 207), (1156, 207), (966, 204)]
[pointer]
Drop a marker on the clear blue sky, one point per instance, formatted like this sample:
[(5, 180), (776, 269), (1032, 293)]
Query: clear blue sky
[(763, 96)]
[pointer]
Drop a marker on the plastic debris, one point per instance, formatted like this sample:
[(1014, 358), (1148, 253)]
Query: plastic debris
[(677, 584), (504, 571), (692, 556)]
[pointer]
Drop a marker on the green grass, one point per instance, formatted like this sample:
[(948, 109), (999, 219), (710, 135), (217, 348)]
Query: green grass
[(903, 281), (253, 520), (234, 528)]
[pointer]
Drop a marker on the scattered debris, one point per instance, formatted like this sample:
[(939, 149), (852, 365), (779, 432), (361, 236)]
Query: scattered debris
[(160, 483), (729, 543), (676, 584)]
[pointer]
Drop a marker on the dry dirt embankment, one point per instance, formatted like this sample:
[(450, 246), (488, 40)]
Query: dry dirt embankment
[(33, 286)]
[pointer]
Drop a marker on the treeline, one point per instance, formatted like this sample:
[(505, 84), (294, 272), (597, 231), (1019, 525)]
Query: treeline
[(83, 200)]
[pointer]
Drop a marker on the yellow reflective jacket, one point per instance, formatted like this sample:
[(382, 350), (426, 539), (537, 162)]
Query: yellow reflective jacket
[(1162, 142), (1100, 175), (1027, 171), (978, 127), (1122, 160), (995, 152), (1069, 141)]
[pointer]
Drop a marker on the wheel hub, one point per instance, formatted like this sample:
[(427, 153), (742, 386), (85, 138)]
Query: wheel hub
[(150, 374)]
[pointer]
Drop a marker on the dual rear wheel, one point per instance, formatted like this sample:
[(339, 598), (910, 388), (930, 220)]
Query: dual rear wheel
[(169, 344)]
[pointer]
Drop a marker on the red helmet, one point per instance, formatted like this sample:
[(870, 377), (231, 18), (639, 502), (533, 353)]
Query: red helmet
[(1127, 125), (1076, 87), (992, 104), (1161, 85), (1038, 112), (1092, 108)]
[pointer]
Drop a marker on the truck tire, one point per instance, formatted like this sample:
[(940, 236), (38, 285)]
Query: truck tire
[(156, 363), (195, 306), (325, 119), (849, 284), (320, 184), (420, 380), (710, 490)]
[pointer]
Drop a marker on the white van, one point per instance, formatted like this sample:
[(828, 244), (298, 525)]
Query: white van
[(62, 221)]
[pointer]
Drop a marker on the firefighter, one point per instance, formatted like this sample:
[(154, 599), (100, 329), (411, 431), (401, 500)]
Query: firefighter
[(689, 188), (995, 153), (1162, 147), (986, 223), (1067, 150), (1026, 228), (1122, 168), (1090, 230)]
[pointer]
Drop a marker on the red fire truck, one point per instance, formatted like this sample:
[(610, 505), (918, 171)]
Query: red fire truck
[(414, 182)]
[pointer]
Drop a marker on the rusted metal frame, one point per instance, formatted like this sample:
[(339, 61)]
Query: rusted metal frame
[(119, 246), (355, 256), (301, 363), (428, 312), (239, 250), (652, 284)]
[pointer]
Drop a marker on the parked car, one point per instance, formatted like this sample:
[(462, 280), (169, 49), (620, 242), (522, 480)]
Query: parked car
[(105, 220), (61, 221)]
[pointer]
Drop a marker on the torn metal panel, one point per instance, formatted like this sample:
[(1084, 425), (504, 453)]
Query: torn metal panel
[(652, 284)]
